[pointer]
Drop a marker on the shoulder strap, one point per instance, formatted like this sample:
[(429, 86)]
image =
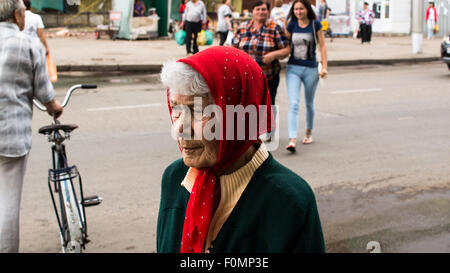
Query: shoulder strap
[(314, 30)]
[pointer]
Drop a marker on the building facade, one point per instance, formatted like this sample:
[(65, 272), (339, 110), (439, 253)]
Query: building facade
[(391, 17)]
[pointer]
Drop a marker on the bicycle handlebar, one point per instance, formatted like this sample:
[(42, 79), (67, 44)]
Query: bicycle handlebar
[(88, 86), (68, 94)]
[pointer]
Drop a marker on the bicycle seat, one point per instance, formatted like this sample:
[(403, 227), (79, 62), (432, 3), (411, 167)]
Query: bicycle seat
[(46, 130)]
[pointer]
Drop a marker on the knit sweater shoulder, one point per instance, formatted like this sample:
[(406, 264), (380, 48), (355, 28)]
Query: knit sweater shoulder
[(276, 213)]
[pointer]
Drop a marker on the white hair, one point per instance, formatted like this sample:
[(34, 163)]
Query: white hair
[(182, 79), (7, 8)]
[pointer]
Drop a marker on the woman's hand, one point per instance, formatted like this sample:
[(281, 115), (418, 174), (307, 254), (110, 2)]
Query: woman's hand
[(323, 73)]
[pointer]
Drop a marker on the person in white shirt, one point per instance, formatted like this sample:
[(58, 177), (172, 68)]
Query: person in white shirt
[(194, 19), (287, 7), (34, 26), (224, 15), (278, 13)]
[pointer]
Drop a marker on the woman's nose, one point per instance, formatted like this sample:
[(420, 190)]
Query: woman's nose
[(183, 126)]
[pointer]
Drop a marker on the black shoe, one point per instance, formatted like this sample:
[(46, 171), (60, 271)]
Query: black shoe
[(291, 147)]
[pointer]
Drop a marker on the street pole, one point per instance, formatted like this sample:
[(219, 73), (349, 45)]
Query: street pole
[(417, 26)]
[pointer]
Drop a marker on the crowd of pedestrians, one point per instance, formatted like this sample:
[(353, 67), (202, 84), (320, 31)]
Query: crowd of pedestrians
[(274, 34), (292, 29)]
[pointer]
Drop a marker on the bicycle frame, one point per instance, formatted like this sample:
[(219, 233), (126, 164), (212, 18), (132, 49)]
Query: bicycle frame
[(73, 237)]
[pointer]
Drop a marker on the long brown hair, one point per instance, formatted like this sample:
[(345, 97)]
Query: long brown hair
[(307, 4)]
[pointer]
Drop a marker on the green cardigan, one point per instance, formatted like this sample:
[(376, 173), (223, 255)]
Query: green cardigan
[(276, 213)]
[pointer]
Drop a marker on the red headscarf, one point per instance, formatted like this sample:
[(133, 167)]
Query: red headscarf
[(233, 78)]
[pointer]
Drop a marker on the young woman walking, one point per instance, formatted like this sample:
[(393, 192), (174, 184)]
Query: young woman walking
[(304, 33)]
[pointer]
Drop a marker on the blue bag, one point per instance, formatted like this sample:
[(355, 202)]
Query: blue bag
[(180, 37), (209, 37)]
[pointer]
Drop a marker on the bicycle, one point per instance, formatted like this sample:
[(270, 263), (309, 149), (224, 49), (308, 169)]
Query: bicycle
[(71, 215)]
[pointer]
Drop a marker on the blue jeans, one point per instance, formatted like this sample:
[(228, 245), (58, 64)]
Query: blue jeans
[(430, 28), (295, 76)]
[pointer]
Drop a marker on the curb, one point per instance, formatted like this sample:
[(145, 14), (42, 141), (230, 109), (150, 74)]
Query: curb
[(148, 68), (383, 62), (156, 68)]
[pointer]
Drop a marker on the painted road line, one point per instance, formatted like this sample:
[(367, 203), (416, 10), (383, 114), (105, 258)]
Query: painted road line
[(357, 91), (124, 107), (405, 118)]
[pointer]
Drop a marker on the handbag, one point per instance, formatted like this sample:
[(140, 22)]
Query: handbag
[(201, 39), (180, 37), (324, 25), (436, 29), (52, 71), (319, 64), (229, 40), (209, 37)]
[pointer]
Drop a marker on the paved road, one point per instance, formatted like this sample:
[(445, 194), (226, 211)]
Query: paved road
[(379, 166)]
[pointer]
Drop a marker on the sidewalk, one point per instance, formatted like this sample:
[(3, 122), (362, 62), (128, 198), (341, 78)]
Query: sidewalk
[(104, 55)]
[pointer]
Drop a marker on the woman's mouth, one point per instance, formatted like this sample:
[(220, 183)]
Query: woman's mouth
[(190, 149)]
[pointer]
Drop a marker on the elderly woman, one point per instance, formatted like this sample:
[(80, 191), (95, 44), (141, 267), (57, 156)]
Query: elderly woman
[(228, 194)]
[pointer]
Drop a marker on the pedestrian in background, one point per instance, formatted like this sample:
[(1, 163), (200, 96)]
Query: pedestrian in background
[(23, 76), (278, 13), (224, 23), (303, 32), (365, 19), (182, 7), (431, 20), (34, 26), (323, 16), (139, 8), (287, 8), (259, 36), (194, 19)]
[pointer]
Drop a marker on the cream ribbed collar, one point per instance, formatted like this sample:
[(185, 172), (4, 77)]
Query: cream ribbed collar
[(231, 188), (258, 158)]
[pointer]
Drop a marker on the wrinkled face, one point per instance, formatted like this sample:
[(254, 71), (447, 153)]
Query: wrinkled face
[(300, 11), (260, 13), (197, 151), (19, 16)]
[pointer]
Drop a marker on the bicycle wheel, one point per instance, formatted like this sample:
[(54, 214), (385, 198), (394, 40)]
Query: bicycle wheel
[(71, 224)]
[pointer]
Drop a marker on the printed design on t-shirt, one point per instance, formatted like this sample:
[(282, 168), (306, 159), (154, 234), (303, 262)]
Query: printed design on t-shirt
[(303, 46)]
